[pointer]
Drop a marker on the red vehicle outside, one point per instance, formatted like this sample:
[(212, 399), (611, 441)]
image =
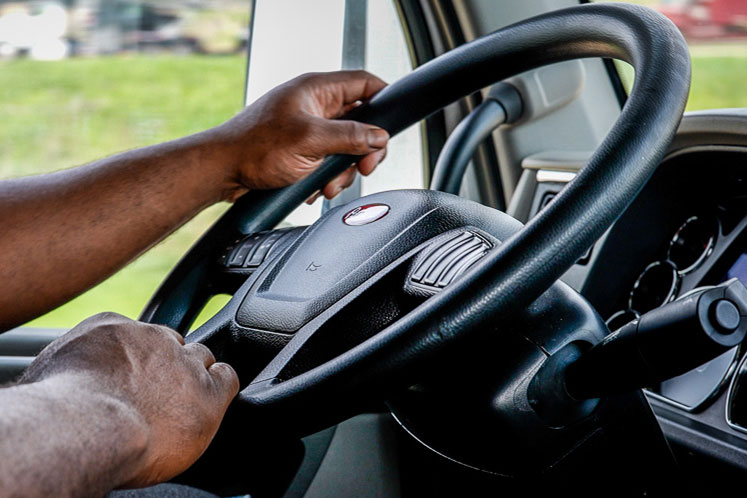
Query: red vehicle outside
[(707, 19)]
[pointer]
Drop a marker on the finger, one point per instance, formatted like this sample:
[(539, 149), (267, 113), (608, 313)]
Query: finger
[(368, 164), (226, 380), (348, 86), (200, 352), (313, 197), (347, 137), (340, 183), (347, 108)]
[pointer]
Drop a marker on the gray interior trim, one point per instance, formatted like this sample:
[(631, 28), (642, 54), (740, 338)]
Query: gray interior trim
[(11, 367), (713, 438), (557, 160), (315, 449), (447, 35), (18, 347), (27, 341), (554, 176), (712, 127), (521, 202), (361, 461)]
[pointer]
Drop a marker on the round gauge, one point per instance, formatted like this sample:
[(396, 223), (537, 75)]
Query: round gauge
[(657, 285), (622, 317), (692, 243)]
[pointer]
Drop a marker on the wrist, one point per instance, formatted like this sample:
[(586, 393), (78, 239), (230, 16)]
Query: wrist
[(222, 156), (112, 429)]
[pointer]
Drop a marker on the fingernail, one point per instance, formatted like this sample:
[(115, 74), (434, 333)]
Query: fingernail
[(377, 137)]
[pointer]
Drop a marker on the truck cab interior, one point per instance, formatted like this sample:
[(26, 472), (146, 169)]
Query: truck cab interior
[(546, 291)]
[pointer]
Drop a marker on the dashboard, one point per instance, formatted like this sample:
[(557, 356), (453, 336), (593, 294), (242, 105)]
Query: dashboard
[(685, 231)]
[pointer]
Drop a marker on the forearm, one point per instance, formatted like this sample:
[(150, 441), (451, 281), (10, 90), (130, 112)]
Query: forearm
[(64, 232), (58, 440)]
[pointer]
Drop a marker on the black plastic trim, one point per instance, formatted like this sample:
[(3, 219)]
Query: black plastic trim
[(422, 46)]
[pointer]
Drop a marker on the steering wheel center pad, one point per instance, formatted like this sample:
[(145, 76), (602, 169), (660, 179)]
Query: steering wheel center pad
[(332, 258)]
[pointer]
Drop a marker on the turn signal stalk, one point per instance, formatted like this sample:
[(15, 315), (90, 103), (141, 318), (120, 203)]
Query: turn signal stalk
[(664, 343)]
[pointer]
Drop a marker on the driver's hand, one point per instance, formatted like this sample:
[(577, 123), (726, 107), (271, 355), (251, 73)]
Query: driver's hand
[(173, 396), (287, 133)]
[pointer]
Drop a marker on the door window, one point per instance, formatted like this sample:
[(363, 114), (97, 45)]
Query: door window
[(83, 79)]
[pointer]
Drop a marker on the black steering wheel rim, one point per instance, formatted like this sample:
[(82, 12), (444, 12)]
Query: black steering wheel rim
[(526, 264)]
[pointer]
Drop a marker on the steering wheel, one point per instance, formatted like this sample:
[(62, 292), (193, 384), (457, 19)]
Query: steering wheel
[(338, 318)]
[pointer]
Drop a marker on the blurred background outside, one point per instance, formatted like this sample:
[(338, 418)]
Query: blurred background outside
[(54, 30), (716, 31), (83, 79)]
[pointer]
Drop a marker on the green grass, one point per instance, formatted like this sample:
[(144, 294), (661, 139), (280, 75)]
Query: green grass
[(61, 114), (718, 82), (718, 75)]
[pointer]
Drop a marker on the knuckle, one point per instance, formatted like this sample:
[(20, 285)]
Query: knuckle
[(201, 350), (107, 324), (361, 74), (357, 137), (111, 328), (106, 317), (157, 331), (227, 374), (161, 331), (110, 315), (307, 78), (108, 329)]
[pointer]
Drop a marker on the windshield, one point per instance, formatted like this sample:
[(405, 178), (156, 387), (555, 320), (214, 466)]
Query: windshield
[(716, 32)]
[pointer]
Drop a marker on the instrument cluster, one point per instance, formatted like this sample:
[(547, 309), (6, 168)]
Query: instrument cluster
[(686, 231), (660, 281)]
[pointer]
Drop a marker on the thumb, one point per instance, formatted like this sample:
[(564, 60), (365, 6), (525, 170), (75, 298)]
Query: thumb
[(350, 137)]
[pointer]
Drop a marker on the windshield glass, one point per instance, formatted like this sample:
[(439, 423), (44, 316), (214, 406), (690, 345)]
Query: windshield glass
[(716, 32)]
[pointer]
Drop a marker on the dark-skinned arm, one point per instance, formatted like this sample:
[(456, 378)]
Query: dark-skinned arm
[(64, 232)]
